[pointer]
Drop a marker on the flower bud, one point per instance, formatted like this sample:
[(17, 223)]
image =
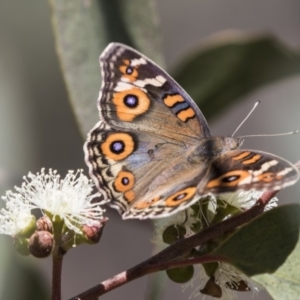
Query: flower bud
[(93, 233), (44, 224), (41, 244)]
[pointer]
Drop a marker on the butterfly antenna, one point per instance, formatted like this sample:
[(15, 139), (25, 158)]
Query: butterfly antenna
[(251, 111), (275, 134)]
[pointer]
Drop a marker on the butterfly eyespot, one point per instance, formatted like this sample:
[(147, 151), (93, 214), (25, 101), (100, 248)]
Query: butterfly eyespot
[(125, 181), (230, 178), (130, 104), (118, 146), (181, 196), (131, 101), (129, 70)]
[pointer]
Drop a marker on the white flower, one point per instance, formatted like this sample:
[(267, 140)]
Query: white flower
[(243, 199), (16, 216), (225, 276), (69, 198)]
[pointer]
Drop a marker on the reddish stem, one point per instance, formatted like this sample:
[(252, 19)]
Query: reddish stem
[(57, 260)]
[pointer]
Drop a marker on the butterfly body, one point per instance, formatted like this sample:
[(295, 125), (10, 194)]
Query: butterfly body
[(152, 150)]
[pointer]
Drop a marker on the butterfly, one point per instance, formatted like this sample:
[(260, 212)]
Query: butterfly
[(152, 151)]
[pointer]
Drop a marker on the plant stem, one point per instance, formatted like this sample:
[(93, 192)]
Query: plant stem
[(169, 257), (57, 260)]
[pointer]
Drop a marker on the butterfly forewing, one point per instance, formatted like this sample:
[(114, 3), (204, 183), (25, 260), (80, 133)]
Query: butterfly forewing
[(138, 95)]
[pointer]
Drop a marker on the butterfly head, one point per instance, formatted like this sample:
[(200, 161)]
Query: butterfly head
[(232, 143)]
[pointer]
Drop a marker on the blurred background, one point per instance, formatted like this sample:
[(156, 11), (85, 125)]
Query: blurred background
[(37, 127)]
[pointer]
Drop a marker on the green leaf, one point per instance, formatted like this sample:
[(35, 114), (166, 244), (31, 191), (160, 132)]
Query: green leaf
[(263, 245), (228, 67), (83, 29), (173, 233), (181, 274), (285, 282)]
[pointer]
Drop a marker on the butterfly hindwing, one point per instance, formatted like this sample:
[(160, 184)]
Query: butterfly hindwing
[(230, 172), (247, 170), (126, 164)]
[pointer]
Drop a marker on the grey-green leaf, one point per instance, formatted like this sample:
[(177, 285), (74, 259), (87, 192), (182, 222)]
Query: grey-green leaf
[(285, 282), (229, 66), (83, 29), (263, 245)]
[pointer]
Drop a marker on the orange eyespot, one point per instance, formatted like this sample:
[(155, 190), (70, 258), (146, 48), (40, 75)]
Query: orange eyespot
[(229, 179), (124, 181), (130, 104), (128, 71), (118, 146), (181, 196)]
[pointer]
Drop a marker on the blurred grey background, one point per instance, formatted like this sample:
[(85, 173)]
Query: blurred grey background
[(37, 128)]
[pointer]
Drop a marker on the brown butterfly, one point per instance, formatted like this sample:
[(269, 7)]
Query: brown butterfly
[(152, 150)]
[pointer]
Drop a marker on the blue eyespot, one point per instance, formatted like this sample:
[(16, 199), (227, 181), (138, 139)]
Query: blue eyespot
[(125, 180), (231, 178), (129, 70), (180, 196), (131, 101), (117, 147)]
